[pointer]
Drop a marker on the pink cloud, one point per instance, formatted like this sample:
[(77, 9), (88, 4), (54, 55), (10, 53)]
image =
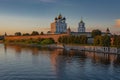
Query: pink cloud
[(117, 23)]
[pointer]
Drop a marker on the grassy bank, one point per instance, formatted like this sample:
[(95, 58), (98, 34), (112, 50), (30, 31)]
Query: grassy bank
[(39, 41)]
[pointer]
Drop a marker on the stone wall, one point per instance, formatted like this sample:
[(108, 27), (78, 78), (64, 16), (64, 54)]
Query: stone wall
[(54, 36)]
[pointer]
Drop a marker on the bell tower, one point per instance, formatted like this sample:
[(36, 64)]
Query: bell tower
[(81, 26)]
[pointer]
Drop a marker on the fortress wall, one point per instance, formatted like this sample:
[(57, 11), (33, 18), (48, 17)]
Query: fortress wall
[(54, 36)]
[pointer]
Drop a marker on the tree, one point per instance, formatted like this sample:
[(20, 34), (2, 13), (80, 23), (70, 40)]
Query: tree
[(97, 40), (106, 40), (116, 40), (95, 33), (41, 33), (82, 39), (102, 41), (26, 34), (47, 41), (35, 33), (18, 34)]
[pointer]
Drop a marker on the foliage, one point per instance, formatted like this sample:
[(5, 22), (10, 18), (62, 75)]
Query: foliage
[(73, 39), (97, 40), (41, 33), (106, 40), (26, 34), (102, 40), (47, 41), (95, 33), (41, 41), (34, 33), (116, 40), (18, 34)]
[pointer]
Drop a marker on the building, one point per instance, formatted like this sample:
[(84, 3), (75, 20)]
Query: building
[(59, 25), (81, 26)]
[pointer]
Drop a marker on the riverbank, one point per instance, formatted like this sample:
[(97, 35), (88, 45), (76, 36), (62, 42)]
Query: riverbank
[(90, 48), (37, 45)]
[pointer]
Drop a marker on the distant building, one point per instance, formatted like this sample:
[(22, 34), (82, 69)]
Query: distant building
[(59, 25), (81, 26)]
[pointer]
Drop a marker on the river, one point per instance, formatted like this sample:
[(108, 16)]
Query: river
[(34, 63)]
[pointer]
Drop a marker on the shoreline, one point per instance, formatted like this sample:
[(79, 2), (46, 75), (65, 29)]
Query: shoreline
[(99, 49)]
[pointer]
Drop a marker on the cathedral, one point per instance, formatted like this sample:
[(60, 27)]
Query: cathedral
[(59, 25)]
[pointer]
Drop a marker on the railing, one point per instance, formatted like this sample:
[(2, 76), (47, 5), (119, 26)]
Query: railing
[(94, 48)]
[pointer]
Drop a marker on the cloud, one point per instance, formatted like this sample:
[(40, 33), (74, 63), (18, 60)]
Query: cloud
[(117, 23)]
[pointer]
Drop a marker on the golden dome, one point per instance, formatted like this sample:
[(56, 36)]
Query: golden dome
[(60, 16)]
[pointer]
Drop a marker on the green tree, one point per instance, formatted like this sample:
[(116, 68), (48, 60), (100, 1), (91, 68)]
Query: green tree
[(116, 41), (41, 33), (47, 41), (95, 33), (83, 39), (73, 39), (102, 41), (18, 34), (106, 40), (97, 40), (26, 34), (35, 33)]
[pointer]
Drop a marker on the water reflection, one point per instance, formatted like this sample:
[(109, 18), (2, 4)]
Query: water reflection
[(66, 65), (67, 56)]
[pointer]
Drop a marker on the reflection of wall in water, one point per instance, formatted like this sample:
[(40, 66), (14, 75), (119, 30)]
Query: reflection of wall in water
[(117, 60), (101, 57), (61, 60), (58, 62)]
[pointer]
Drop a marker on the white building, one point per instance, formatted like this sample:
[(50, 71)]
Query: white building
[(59, 25), (81, 26)]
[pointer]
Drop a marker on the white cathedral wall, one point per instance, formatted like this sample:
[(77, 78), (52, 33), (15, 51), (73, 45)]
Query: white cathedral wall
[(61, 27)]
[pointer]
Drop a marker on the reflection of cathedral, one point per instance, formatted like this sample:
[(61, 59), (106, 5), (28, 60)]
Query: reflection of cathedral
[(59, 25)]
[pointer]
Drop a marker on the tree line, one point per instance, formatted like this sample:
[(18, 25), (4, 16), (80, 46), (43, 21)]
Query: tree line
[(28, 34), (41, 41), (116, 41), (105, 40), (82, 39), (102, 40)]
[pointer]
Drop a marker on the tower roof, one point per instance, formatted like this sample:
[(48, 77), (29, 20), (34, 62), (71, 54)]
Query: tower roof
[(60, 16), (81, 20), (69, 28), (108, 31)]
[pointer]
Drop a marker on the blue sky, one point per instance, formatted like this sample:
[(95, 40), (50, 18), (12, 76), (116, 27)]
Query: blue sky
[(29, 15)]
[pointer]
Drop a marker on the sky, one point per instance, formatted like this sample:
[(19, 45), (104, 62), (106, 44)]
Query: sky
[(36, 15)]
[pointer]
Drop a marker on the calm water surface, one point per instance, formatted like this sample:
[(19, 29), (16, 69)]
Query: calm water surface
[(33, 63)]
